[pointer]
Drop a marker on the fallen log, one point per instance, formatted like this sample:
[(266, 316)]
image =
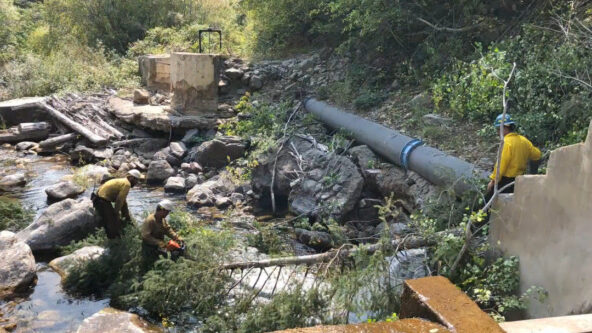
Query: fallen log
[(92, 137), (25, 132), (412, 242), (58, 140)]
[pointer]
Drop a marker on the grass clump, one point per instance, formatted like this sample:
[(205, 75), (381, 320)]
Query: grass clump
[(13, 216)]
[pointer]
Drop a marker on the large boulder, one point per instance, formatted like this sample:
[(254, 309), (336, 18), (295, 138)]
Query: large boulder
[(110, 320), (63, 190), (17, 179), (17, 267), (141, 96), (218, 152), (59, 224), (159, 171), (64, 265), (388, 179), (201, 195)]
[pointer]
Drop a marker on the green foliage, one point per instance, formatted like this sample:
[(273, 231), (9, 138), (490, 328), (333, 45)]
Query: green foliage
[(267, 239), (13, 217), (548, 99)]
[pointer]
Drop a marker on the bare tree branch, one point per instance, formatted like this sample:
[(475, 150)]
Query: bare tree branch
[(438, 28)]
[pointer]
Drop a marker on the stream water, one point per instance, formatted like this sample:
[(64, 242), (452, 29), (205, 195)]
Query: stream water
[(49, 308)]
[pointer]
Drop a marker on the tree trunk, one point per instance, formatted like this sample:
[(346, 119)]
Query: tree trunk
[(92, 137), (58, 140)]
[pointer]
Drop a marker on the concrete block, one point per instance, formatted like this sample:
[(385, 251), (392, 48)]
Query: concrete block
[(437, 299), (155, 71), (547, 225), (194, 82)]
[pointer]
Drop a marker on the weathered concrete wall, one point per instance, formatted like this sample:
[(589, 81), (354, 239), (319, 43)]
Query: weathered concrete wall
[(155, 70), (547, 222), (194, 81)]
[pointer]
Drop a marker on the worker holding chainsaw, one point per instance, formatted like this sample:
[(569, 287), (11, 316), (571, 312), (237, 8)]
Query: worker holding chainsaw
[(110, 202), (153, 230)]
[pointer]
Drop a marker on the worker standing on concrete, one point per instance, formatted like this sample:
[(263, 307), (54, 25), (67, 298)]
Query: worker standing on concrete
[(516, 154), (153, 230), (114, 217)]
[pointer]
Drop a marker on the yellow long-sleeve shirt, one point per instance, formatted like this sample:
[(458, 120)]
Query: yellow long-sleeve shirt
[(153, 231), (115, 190), (516, 153)]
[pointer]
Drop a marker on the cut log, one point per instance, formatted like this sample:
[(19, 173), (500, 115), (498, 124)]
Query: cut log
[(92, 137), (406, 243), (25, 132), (58, 140)]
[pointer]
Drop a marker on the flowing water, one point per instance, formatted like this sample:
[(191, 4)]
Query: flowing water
[(49, 308)]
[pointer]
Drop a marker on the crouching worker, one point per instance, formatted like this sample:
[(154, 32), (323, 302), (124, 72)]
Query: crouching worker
[(154, 229), (115, 217)]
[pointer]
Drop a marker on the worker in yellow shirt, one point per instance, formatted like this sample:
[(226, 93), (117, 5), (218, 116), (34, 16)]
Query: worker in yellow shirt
[(114, 191), (153, 230), (516, 154)]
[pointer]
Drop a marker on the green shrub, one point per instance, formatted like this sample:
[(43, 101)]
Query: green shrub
[(13, 217)]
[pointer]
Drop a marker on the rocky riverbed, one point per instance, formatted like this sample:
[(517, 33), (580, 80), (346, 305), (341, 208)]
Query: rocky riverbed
[(327, 190)]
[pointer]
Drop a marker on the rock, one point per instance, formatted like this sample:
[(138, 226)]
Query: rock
[(60, 224), (255, 83), (159, 171), (433, 119), (396, 229), (110, 320), (117, 160), (306, 64), (323, 201), (64, 265), (94, 173), (175, 185), (223, 202), (223, 86), (225, 111), (26, 145), (17, 267), (318, 240), (190, 136), (421, 102), (84, 155), (141, 96), (18, 179), (192, 167), (218, 152), (63, 190), (178, 149), (364, 157), (192, 180), (201, 195), (236, 198), (234, 73)]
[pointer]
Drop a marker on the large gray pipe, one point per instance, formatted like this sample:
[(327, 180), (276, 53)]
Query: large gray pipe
[(432, 164)]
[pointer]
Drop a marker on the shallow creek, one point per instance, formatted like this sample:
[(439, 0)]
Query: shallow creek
[(49, 308)]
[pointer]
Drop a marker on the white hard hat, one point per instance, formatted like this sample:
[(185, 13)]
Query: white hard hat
[(135, 173), (166, 204)]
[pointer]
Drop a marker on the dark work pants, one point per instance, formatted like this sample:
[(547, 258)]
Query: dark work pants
[(150, 254), (109, 217), (503, 182)]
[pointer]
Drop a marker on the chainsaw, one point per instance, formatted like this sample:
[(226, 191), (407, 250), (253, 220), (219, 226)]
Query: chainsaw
[(175, 249)]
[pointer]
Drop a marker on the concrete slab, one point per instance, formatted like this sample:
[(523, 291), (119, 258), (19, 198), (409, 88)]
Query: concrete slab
[(400, 326), (21, 110), (156, 117), (155, 70), (194, 82), (437, 299), (566, 324)]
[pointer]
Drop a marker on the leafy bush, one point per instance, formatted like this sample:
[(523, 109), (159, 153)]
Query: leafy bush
[(549, 98), (13, 217)]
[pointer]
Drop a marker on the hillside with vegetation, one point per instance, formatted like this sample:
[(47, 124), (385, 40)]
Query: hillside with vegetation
[(393, 62)]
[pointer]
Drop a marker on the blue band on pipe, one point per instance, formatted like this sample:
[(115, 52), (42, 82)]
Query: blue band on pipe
[(409, 147)]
